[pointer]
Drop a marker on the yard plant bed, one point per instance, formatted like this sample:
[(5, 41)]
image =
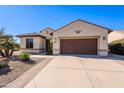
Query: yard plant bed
[(18, 68)]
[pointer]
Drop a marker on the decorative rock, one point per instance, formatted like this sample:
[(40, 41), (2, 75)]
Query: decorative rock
[(11, 68), (2, 59), (3, 62), (5, 70)]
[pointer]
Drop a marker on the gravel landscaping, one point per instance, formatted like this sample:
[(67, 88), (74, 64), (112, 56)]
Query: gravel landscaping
[(18, 68)]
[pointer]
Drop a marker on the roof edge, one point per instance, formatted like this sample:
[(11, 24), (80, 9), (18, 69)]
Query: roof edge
[(26, 35), (110, 30), (47, 28), (30, 36)]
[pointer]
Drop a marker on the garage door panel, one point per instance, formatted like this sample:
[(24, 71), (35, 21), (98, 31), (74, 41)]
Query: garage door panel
[(78, 46)]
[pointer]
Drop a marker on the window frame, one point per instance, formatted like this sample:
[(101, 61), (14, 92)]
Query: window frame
[(29, 43)]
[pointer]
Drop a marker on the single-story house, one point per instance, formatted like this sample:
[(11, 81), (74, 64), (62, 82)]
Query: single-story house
[(77, 37), (115, 35)]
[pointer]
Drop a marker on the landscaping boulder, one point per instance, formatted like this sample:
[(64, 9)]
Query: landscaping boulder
[(3, 62)]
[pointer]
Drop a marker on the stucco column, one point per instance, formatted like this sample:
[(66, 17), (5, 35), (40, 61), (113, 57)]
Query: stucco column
[(56, 45), (103, 46)]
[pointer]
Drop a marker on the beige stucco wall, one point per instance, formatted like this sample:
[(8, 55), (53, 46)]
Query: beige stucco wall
[(87, 31), (38, 44), (46, 32), (115, 35)]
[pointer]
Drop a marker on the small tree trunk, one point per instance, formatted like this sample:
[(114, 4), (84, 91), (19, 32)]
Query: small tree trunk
[(7, 53), (11, 52), (2, 54)]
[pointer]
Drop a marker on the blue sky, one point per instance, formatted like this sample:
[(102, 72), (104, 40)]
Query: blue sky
[(26, 19)]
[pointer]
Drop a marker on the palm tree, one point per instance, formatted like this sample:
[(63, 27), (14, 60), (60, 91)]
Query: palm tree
[(7, 44)]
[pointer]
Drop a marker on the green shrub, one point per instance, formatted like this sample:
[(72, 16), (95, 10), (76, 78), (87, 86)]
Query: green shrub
[(116, 48), (24, 56), (17, 47), (49, 47), (3, 62)]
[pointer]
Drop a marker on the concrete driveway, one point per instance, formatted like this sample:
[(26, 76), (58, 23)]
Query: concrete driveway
[(80, 72)]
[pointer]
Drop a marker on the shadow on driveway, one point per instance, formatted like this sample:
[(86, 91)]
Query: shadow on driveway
[(110, 57)]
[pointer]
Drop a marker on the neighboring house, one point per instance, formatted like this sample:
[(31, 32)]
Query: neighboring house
[(77, 37), (115, 35)]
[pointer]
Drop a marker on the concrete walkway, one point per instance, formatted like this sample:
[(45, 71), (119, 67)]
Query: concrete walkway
[(80, 72)]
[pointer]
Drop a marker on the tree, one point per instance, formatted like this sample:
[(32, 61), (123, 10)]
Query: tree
[(7, 44)]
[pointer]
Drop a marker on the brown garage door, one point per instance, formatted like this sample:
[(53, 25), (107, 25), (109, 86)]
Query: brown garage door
[(78, 46)]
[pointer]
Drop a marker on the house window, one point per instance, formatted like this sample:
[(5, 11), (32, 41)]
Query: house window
[(29, 43)]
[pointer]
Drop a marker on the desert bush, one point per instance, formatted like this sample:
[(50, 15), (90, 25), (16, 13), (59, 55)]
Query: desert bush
[(116, 48), (3, 62), (17, 46), (24, 56), (49, 47), (7, 44)]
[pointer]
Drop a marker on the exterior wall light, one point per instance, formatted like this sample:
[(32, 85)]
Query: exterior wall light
[(78, 31), (104, 38), (55, 40)]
